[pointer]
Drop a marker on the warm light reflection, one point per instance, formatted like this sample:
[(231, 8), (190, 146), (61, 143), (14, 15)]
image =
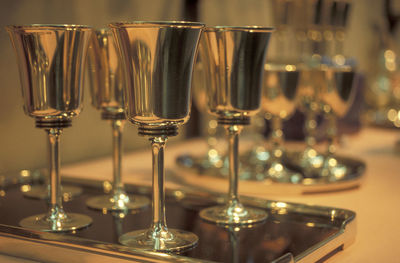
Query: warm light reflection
[(333, 214), (332, 162), (179, 194), (290, 68), (25, 188), (25, 173), (107, 186), (281, 204)]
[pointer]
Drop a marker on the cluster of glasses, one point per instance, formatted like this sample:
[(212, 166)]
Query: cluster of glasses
[(307, 70), (140, 71)]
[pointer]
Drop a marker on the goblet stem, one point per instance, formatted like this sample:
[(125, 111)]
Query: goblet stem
[(277, 138), (159, 237), (331, 134), (233, 213), (234, 242), (56, 220), (118, 199), (233, 136), (117, 128), (56, 208), (159, 225), (277, 170), (309, 128), (332, 169)]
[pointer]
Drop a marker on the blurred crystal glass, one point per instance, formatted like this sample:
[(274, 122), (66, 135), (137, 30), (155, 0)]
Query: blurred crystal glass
[(279, 96), (337, 96)]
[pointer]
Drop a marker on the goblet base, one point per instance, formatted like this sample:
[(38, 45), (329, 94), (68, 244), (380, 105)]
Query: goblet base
[(167, 241), (118, 202), (221, 215), (43, 222), (42, 192)]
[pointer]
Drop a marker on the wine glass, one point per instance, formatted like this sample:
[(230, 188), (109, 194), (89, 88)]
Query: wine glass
[(158, 58), (279, 95), (337, 96), (234, 60), (51, 59), (106, 82)]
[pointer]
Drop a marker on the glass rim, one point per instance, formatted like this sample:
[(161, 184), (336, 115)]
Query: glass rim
[(44, 27), (157, 24), (240, 28)]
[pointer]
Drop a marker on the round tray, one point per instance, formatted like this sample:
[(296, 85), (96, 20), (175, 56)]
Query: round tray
[(195, 173)]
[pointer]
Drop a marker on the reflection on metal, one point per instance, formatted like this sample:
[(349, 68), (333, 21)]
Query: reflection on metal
[(331, 228), (233, 81), (106, 85), (51, 60), (349, 173), (158, 58)]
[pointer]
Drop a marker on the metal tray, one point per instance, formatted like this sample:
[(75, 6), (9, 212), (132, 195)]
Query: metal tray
[(292, 232), (197, 173)]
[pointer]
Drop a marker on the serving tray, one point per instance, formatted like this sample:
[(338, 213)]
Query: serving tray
[(197, 173), (292, 233)]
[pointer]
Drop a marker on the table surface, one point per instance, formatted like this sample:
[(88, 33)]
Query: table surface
[(376, 202)]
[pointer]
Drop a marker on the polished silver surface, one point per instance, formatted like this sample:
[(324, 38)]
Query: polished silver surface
[(106, 75), (107, 81), (158, 58), (233, 62), (51, 59), (300, 238), (353, 177), (51, 86)]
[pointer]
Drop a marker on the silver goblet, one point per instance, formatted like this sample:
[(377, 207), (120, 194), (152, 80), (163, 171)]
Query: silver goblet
[(280, 92), (107, 79), (51, 59), (158, 59), (234, 60)]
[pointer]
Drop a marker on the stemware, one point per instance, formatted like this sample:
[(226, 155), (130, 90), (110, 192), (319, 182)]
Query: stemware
[(106, 82), (312, 28), (234, 60), (51, 59), (312, 81), (158, 58), (279, 95), (337, 96)]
